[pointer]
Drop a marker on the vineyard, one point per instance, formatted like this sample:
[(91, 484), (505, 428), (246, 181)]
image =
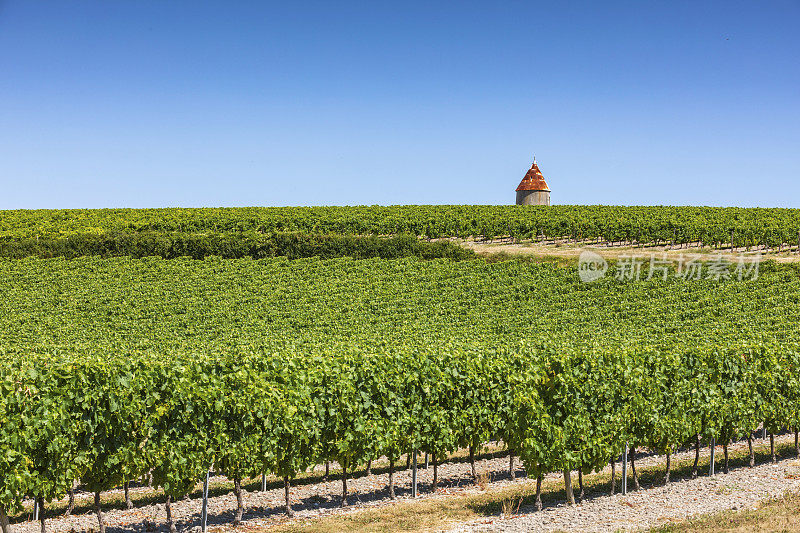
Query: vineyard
[(711, 226), (170, 245), (118, 367)]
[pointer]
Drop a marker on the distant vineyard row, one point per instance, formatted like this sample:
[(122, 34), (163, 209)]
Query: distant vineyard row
[(658, 224), (170, 245)]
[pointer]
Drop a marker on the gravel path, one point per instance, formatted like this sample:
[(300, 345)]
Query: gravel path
[(742, 488), (309, 500)]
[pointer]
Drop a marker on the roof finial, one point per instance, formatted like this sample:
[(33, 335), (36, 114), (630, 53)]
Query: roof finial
[(534, 159)]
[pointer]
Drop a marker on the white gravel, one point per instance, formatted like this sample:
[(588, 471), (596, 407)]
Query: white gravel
[(742, 488), (309, 500)]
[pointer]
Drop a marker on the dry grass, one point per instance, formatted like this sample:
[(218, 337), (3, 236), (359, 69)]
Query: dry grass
[(424, 515), (510, 506), (421, 516), (781, 515), (482, 481)]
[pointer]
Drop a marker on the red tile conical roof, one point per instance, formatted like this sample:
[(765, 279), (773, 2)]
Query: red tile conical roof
[(533, 180)]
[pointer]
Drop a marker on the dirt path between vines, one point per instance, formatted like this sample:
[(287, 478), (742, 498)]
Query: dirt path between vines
[(571, 251)]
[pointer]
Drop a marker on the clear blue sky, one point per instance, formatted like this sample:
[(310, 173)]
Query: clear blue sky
[(169, 103)]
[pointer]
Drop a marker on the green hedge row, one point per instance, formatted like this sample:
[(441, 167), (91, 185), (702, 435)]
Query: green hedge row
[(229, 245)]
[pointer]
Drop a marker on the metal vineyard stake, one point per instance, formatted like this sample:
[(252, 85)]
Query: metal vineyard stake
[(414, 476), (625, 470), (204, 515)]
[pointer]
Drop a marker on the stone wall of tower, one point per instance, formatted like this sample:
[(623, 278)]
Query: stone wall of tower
[(533, 198)]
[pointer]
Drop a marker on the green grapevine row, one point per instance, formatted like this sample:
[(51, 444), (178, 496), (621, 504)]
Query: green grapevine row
[(105, 422), (644, 224), (228, 245)]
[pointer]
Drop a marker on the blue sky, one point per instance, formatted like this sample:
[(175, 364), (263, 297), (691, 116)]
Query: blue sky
[(156, 103)]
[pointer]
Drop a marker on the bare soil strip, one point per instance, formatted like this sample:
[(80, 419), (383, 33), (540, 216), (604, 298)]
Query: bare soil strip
[(572, 250)]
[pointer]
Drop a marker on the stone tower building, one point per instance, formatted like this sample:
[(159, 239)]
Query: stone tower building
[(533, 190)]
